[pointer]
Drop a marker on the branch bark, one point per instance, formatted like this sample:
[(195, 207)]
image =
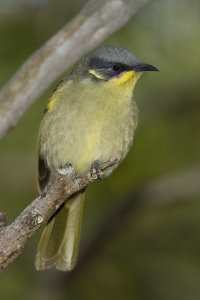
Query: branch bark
[(63, 184), (92, 25)]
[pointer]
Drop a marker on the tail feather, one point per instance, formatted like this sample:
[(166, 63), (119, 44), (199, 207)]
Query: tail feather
[(60, 239)]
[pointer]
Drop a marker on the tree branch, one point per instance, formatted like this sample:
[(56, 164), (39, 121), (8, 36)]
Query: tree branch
[(92, 25), (63, 184), (160, 191)]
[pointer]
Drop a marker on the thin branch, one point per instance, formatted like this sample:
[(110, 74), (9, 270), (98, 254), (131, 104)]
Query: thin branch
[(63, 184), (171, 188), (96, 21)]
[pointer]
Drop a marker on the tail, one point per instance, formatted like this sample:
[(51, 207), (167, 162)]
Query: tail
[(59, 242)]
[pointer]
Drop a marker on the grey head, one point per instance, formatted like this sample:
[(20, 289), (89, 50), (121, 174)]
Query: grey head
[(109, 62)]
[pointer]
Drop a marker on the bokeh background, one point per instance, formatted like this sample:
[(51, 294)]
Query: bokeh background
[(141, 226)]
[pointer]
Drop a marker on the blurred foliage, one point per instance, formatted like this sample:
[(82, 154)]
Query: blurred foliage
[(152, 252)]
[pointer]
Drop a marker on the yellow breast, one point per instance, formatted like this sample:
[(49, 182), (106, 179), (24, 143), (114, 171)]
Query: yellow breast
[(87, 121)]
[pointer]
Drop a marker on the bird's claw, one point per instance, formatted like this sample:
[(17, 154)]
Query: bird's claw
[(96, 171)]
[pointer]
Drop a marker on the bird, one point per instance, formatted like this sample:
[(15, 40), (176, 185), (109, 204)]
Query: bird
[(90, 118)]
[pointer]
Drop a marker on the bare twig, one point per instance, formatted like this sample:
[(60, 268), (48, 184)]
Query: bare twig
[(63, 184), (93, 24)]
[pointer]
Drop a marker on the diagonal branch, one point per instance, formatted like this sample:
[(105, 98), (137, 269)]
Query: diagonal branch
[(159, 191), (63, 184), (96, 21)]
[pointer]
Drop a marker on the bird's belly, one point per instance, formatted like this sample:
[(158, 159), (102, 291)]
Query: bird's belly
[(100, 141), (80, 133)]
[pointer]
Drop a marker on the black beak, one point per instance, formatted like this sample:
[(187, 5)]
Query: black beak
[(144, 67)]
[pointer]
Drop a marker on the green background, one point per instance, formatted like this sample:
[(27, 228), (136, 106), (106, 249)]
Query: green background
[(135, 244)]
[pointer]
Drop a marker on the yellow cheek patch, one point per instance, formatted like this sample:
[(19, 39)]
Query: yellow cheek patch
[(123, 77), (126, 76), (95, 74)]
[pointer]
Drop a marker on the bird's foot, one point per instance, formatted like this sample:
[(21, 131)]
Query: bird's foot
[(67, 165), (65, 169), (96, 171)]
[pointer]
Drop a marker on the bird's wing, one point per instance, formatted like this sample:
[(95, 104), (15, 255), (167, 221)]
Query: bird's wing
[(43, 173)]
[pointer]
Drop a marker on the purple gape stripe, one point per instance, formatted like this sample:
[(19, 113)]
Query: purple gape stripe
[(117, 75)]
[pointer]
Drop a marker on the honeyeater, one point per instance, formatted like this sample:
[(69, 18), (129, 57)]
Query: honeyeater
[(91, 116)]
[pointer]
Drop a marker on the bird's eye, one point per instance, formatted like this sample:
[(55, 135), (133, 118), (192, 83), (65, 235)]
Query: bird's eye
[(116, 68)]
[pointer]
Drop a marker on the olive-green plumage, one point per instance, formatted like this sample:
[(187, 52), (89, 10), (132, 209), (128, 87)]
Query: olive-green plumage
[(90, 116)]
